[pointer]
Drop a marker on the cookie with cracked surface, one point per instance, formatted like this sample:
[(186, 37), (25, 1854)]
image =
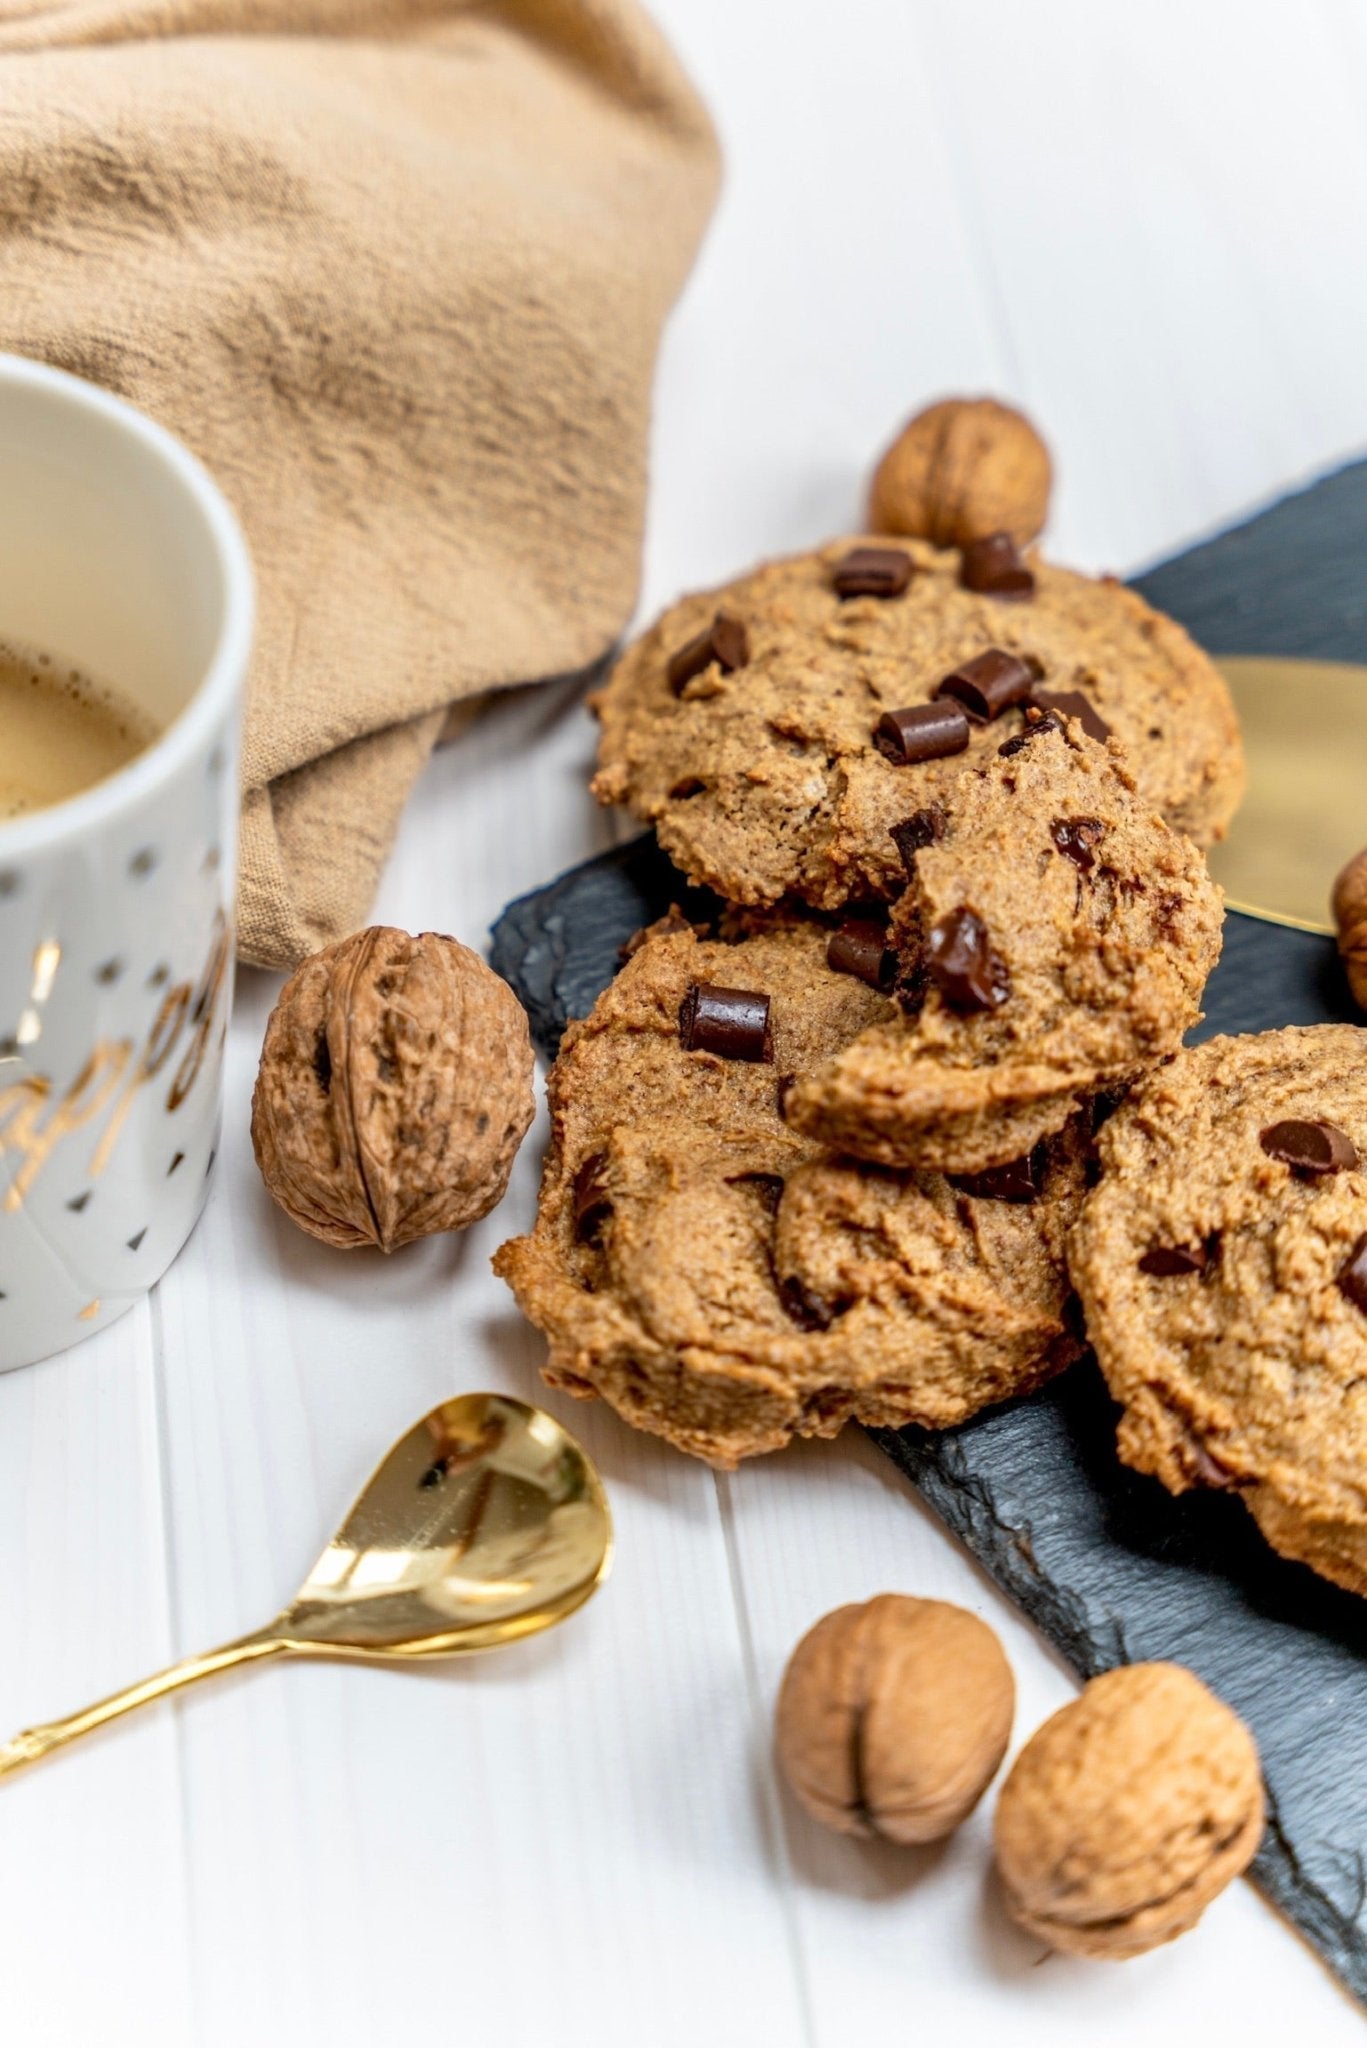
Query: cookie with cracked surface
[(742, 725), (957, 1287), (1222, 1263), (1055, 940), (718, 1280)]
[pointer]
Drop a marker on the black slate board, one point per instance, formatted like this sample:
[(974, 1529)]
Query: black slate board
[(561, 946), (1289, 581), (1107, 1564)]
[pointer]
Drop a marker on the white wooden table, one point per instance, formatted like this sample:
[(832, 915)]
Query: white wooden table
[(1144, 222)]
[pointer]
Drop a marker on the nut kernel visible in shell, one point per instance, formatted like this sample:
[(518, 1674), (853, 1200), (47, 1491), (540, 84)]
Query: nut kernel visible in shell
[(893, 1717), (1128, 1812), (394, 1090), (1349, 904), (960, 470)]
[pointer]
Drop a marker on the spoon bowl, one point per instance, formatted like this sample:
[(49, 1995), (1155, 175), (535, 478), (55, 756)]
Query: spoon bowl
[(485, 1523)]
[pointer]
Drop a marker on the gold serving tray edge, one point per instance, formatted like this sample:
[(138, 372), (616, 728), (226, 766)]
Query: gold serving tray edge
[(1305, 812)]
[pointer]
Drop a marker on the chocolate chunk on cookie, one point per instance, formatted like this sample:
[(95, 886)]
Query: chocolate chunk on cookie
[(1219, 1277), (1056, 936), (724, 642), (783, 774), (990, 684), (861, 947), (720, 1281), (995, 567)]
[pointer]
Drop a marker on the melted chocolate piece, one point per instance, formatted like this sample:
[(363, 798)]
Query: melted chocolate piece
[(725, 641), (1019, 1180), (1036, 722), (734, 1023), (1072, 704), (768, 1187), (1351, 1278), (922, 828), (592, 1207), (990, 684), (963, 966), (921, 732), (1309, 1148), (807, 1310), (1077, 840), (860, 948), (1171, 1261), (872, 572), (993, 567)]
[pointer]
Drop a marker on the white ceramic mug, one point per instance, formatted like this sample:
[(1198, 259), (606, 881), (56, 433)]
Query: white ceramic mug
[(119, 552)]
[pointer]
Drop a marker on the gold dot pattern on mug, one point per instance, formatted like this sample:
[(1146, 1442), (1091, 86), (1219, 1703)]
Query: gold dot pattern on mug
[(140, 864), (107, 1234)]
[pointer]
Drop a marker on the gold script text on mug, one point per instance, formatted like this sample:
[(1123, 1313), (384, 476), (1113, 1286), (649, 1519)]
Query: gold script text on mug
[(32, 1125)]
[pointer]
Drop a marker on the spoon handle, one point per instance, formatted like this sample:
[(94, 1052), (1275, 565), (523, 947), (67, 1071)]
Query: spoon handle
[(41, 1741)]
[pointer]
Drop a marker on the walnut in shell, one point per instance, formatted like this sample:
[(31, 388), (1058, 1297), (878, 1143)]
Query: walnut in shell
[(1350, 918), (893, 1717), (395, 1088), (961, 470), (1127, 1812)]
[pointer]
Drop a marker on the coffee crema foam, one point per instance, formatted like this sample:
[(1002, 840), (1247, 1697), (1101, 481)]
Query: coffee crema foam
[(60, 730)]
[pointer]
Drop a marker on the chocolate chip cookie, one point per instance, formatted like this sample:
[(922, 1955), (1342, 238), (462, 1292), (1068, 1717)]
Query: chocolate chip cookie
[(774, 730), (1054, 941), (718, 1279), (957, 1287), (1222, 1263)]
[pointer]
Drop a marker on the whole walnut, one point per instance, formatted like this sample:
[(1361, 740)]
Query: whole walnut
[(1350, 918), (1127, 1812), (963, 469), (394, 1090), (894, 1716)]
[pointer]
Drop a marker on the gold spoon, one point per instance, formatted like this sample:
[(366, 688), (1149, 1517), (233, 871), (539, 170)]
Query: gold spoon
[(485, 1523)]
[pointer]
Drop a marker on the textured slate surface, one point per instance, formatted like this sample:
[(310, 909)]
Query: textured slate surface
[(1108, 1566), (1289, 582), (560, 946)]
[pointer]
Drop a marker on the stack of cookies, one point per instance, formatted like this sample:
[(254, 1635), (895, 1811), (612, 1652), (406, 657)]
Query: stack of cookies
[(841, 1155)]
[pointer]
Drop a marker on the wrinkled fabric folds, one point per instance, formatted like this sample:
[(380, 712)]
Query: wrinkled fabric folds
[(396, 270)]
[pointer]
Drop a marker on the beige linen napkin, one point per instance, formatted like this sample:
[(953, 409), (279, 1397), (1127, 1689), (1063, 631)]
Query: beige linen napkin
[(396, 270)]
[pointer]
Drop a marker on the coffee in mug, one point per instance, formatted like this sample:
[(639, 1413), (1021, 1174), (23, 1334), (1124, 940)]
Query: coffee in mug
[(61, 730)]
